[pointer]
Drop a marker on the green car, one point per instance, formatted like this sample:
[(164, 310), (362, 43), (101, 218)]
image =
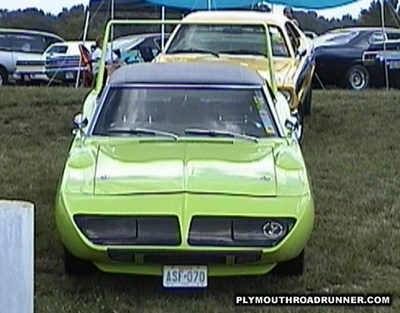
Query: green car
[(185, 171)]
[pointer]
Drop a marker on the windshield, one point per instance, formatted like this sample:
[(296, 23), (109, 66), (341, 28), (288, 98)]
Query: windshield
[(62, 49), (181, 111), (235, 39), (336, 38)]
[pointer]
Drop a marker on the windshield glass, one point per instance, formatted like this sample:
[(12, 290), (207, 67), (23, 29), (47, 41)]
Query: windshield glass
[(336, 38), (181, 111), (236, 39), (62, 49)]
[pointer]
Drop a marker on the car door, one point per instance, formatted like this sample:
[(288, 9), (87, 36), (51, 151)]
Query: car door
[(303, 61), (24, 45)]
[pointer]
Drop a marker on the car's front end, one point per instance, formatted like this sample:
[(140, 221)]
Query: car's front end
[(178, 172), (231, 234)]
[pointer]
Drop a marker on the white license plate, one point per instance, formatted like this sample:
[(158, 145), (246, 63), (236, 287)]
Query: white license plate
[(69, 75), (394, 64), (175, 276)]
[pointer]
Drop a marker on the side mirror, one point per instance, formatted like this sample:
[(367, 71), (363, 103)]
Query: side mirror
[(301, 53), (292, 123), (79, 121)]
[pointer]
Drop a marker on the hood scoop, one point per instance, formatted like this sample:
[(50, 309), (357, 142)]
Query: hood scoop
[(186, 141), (156, 168)]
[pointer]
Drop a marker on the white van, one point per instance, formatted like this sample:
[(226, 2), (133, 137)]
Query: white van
[(19, 43)]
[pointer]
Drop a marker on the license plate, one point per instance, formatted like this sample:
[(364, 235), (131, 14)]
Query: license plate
[(69, 75), (175, 276), (394, 64)]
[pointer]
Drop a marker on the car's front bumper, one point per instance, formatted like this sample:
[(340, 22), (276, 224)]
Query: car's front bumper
[(134, 258)]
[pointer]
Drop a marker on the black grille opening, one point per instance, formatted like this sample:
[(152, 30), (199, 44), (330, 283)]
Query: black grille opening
[(184, 258), (130, 230)]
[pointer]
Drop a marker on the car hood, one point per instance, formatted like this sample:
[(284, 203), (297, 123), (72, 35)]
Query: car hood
[(222, 167)]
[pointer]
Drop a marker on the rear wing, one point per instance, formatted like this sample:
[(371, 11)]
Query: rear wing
[(112, 23)]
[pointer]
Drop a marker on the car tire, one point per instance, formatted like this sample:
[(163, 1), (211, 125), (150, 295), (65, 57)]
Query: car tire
[(307, 103), (293, 267), (357, 78), (3, 77), (75, 266)]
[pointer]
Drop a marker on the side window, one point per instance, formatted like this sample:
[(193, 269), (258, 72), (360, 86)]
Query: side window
[(279, 47), (58, 49), (376, 37), (50, 40), (393, 36), (4, 43), (148, 49), (27, 43), (294, 36)]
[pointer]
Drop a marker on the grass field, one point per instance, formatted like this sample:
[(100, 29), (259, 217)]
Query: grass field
[(352, 151)]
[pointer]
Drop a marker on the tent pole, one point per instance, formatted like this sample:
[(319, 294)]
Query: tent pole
[(209, 5), (162, 27), (384, 43), (112, 17), (85, 31)]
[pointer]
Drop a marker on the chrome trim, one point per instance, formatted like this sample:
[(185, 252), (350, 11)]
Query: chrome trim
[(97, 110), (213, 86), (273, 112)]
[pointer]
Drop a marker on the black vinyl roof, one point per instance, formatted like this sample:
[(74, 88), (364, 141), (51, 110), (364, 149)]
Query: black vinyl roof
[(176, 73)]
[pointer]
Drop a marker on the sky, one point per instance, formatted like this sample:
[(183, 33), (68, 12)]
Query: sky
[(55, 6)]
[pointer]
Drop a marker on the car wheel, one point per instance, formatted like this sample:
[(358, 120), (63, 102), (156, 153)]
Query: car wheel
[(293, 267), (307, 103), (75, 266), (357, 78), (3, 77)]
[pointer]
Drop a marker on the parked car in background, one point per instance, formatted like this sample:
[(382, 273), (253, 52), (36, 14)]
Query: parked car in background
[(185, 171), (348, 57), (390, 59), (16, 44), (63, 61), (244, 42), (131, 49), (138, 48)]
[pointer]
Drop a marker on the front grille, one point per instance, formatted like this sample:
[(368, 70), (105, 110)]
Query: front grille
[(184, 258)]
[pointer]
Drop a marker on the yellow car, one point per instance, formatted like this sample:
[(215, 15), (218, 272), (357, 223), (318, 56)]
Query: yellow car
[(238, 36)]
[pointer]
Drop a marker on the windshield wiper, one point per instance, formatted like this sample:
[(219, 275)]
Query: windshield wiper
[(242, 51), (195, 51), (216, 132), (139, 130)]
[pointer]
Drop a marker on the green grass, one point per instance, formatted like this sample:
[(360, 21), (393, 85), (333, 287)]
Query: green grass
[(351, 148)]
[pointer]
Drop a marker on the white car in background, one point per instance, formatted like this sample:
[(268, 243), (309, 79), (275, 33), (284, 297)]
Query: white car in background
[(60, 62), (21, 44), (63, 61)]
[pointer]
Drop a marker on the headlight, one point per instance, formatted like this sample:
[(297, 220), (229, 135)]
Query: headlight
[(266, 232), (273, 230)]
